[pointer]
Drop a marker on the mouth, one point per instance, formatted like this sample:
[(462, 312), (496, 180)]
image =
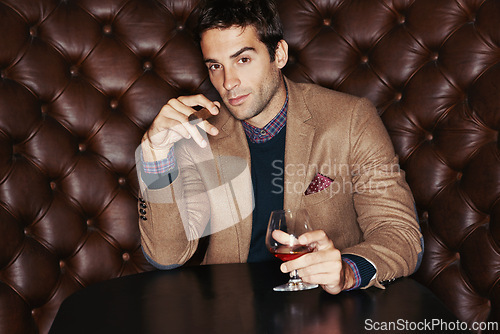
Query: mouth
[(236, 101)]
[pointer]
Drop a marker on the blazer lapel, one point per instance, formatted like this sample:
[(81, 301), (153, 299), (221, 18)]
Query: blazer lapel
[(231, 142), (299, 139)]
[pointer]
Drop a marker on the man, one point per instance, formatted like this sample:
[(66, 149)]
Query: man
[(294, 140)]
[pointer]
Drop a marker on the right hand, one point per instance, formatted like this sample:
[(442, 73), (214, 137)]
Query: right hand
[(171, 124)]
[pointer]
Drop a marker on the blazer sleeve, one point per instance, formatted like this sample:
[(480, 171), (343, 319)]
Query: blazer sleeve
[(385, 208), (175, 215)]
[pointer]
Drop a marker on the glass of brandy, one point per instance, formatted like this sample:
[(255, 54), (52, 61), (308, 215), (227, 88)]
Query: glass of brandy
[(283, 231)]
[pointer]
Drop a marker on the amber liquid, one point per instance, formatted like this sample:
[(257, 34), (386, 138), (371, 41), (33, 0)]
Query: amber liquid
[(287, 253)]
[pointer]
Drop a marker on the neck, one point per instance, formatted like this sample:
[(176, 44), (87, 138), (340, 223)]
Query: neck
[(272, 109)]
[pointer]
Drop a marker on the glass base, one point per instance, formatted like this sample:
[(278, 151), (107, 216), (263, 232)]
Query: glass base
[(295, 285)]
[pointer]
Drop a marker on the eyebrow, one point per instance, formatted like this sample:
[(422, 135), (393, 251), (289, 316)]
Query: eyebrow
[(234, 55)]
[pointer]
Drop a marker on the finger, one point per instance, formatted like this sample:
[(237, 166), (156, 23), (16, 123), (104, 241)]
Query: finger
[(331, 268), (284, 238), (159, 137), (208, 128), (311, 259), (199, 100), (338, 279), (318, 238), (184, 111), (195, 134), (181, 130), (167, 118), (179, 115), (162, 129), (166, 131), (321, 278)]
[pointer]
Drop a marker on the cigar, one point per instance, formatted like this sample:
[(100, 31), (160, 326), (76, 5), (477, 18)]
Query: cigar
[(199, 116)]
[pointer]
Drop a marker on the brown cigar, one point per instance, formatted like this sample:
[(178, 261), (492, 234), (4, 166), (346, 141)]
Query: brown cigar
[(199, 116)]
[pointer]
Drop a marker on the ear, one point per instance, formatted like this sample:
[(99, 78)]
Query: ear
[(281, 54)]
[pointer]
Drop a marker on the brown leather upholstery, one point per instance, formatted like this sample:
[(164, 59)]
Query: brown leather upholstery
[(81, 80)]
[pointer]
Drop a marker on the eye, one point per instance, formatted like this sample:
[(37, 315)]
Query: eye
[(244, 60), (214, 67)]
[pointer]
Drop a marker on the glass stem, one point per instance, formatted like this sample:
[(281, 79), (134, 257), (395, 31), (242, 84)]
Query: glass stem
[(294, 276)]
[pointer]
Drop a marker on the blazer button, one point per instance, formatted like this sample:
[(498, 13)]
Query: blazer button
[(142, 205), (144, 218), (142, 211), (141, 200)]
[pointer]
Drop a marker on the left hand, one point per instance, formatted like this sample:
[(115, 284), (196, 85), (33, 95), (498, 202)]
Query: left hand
[(324, 266)]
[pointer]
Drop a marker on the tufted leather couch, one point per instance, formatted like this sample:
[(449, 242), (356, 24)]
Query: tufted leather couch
[(81, 80)]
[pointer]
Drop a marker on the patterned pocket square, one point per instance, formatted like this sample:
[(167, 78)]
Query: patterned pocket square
[(319, 183)]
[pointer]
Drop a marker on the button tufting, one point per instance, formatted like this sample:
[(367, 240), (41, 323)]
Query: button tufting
[(429, 137), (113, 103), (62, 264), (107, 29), (398, 96), (459, 176), (44, 109), (180, 27), (401, 19), (89, 222), (73, 70), (122, 181), (425, 215), (53, 185), (364, 59), (33, 31), (147, 66), (327, 22), (126, 256), (82, 147)]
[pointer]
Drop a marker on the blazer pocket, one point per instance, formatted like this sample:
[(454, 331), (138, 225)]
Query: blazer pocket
[(320, 196)]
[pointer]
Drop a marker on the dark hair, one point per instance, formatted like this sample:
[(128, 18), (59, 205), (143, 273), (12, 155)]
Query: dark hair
[(261, 14)]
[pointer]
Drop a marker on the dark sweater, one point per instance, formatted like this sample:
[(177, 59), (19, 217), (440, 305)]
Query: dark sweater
[(268, 182)]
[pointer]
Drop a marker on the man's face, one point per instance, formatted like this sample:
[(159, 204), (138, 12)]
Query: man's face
[(240, 69)]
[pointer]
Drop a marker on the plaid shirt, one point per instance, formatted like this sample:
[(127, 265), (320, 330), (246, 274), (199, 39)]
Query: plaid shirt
[(271, 129), (355, 270), (162, 166)]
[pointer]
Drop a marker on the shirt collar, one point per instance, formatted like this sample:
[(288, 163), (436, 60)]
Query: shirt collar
[(262, 135)]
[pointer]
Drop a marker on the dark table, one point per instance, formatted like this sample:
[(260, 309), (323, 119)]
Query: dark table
[(238, 298)]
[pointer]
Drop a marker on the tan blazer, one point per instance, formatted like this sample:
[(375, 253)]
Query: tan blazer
[(368, 210)]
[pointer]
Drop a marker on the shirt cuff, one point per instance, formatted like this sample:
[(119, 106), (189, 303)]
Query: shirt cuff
[(364, 271), (159, 174), (162, 166)]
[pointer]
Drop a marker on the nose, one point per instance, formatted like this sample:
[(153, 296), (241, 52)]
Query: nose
[(231, 79)]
